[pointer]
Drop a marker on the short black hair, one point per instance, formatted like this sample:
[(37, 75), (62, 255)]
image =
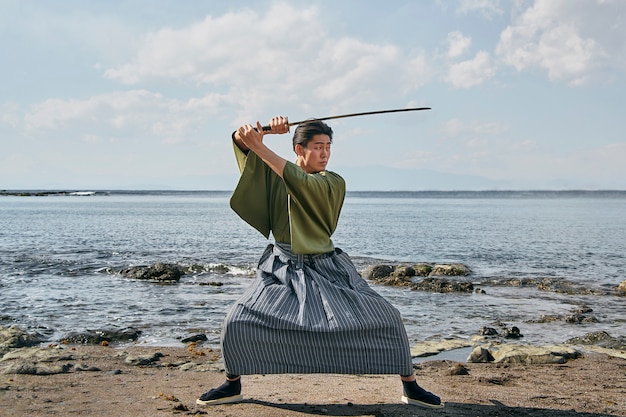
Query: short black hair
[(306, 130)]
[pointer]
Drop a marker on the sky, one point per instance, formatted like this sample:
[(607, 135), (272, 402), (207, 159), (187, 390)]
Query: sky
[(144, 94)]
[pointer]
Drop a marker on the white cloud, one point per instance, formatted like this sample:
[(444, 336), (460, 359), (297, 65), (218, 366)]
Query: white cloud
[(488, 8), (471, 73), (458, 44), (284, 55), (573, 41), (135, 111), (9, 114)]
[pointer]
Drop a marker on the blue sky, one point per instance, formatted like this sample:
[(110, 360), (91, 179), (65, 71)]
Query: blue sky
[(145, 94)]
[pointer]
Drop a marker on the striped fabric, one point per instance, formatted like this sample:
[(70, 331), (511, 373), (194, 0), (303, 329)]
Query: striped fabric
[(313, 314)]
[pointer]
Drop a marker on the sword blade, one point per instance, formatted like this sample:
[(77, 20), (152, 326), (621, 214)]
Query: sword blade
[(367, 113), (341, 116)]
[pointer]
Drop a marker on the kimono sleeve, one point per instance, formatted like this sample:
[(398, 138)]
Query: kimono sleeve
[(249, 200)]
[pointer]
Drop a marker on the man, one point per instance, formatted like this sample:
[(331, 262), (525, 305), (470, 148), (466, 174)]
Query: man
[(308, 310)]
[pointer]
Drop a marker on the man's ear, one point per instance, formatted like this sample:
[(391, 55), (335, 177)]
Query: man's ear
[(299, 149)]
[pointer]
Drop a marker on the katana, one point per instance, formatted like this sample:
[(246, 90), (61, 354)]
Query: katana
[(341, 116)]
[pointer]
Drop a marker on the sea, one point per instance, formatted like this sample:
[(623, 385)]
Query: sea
[(61, 254)]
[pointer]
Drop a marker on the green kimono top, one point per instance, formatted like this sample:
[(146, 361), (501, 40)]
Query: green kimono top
[(300, 209)]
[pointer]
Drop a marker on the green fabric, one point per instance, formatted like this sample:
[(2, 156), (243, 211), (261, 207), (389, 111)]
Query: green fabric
[(301, 209)]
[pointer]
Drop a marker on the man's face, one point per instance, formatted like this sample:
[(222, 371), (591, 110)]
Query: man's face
[(315, 156)]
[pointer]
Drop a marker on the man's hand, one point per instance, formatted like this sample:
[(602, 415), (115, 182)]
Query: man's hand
[(248, 136), (278, 125)]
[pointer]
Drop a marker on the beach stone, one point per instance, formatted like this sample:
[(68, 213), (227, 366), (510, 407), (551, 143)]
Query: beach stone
[(535, 355), (442, 285), (434, 347), (143, 360), (488, 331), (512, 333), (33, 368), (458, 369), (36, 361), (201, 337), (96, 337), (480, 355), (14, 337), (161, 272)]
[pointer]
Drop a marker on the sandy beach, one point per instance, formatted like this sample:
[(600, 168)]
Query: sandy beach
[(150, 381)]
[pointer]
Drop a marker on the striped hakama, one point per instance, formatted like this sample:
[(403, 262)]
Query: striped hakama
[(313, 314)]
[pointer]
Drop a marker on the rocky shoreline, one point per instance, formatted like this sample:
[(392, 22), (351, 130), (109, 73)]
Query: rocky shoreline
[(498, 378), (109, 371)]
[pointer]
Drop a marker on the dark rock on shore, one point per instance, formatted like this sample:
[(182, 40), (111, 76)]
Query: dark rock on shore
[(505, 332), (143, 360), (577, 316), (602, 339), (454, 270), (94, 337), (549, 284), (195, 338), (158, 272), (402, 275), (442, 285)]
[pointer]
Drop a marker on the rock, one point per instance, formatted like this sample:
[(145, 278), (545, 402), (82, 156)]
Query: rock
[(212, 283), (96, 337), (458, 369), (579, 315), (525, 354), (480, 355), (451, 270), (14, 337), (36, 361), (33, 368), (195, 338), (379, 271), (621, 288), (403, 271), (488, 331), (551, 284), (512, 333), (401, 275), (143, 360), (158, 272), (432, 347), (35, 354), (600, 338), (442, 285), (580, 318), (422, 269)]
